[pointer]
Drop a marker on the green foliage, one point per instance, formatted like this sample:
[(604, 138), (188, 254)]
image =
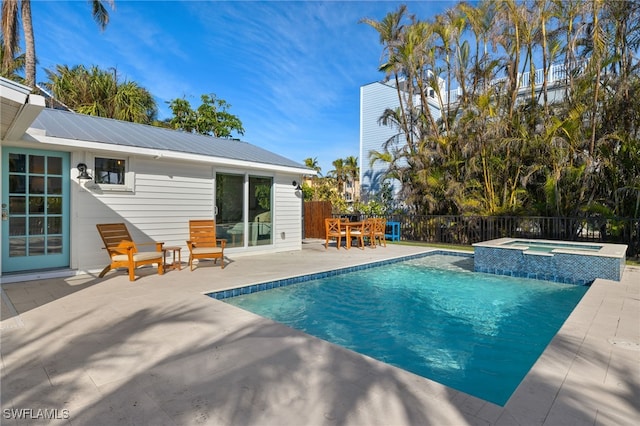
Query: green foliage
[(15, 12), (312, 163), (307, 192), (263, 195), (99, 92), (210, 118), (13, 68), (495, 151)]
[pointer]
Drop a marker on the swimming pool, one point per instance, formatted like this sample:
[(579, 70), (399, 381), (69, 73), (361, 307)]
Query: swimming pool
[(431, 315)]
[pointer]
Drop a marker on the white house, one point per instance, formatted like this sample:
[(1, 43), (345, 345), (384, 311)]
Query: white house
[(63, 173)]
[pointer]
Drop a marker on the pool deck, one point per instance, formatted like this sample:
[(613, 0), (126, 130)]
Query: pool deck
[(158, 352)]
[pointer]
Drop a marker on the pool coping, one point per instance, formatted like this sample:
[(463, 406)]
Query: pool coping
[(607, 249), (283, 282), (90, 344)]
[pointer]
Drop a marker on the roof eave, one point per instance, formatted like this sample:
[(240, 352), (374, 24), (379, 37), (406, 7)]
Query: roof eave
[(19, 108), (35, 135)]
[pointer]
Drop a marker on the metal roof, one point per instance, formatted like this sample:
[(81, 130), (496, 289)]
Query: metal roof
[(80, 127)]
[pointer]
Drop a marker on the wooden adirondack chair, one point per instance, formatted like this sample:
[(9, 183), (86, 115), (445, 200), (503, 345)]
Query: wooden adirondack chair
[(202, 242), (124, 253)]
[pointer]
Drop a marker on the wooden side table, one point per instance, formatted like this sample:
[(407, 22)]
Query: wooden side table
[(173, 265)]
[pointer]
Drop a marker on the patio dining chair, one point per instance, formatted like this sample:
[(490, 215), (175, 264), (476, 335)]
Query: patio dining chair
[(361, 231), (203, 243), (333, 230), (379, 226), (123, 252)]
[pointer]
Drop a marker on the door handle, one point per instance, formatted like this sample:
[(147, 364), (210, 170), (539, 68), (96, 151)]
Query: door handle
[(5, 212)]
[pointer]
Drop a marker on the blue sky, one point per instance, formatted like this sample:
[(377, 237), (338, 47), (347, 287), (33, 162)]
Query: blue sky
[(291, 70)]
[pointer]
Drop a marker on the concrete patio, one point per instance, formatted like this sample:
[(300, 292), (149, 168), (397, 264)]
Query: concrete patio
[(158, 352)]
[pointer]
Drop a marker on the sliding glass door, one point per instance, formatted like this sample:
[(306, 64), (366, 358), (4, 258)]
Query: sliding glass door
[(260, 219), (244, 209), (229, 209)]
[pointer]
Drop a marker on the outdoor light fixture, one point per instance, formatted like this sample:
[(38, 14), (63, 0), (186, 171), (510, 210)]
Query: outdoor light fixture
[(296, 185), (82, 168)]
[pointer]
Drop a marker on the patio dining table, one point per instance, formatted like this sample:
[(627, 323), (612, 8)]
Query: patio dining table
[(347, 227)]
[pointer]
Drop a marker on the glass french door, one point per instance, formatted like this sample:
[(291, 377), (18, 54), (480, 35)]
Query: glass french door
[(35, 209)]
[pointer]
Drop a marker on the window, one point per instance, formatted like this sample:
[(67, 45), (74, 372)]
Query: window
[(110, 171), (113, 174)]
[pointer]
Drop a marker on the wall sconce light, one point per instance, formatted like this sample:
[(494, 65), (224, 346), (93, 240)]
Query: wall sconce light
[(296, 185), (82, 168)]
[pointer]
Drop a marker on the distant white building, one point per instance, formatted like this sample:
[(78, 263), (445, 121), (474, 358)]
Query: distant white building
[(375, 98)]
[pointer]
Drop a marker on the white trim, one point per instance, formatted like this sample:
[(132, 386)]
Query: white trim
[(42, 275), (25, 116), (129, 177), (14, 86)]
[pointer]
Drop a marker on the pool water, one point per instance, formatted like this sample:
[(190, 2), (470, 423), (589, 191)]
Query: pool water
[(477, 333), (549, 247)]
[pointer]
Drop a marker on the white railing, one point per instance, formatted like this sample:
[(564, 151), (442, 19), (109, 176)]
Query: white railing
[(557, 73)]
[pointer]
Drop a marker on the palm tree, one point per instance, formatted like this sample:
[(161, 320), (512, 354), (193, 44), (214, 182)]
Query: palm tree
[(597, 44), (15, 68), (352, 173), (500, 152), (480, 20), (14, 11), (352, 169), (312, 163), (508, 36), (339, 173), (11, 11), (391, 34), (98, 92)]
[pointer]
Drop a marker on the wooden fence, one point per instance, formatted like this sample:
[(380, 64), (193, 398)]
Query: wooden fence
[(314, 214)]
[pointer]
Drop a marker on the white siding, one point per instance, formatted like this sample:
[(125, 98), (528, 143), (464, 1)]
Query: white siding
[(167, 193), (375, 98), (287, 233)]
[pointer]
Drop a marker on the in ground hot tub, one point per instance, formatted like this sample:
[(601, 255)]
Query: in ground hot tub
[(561, 261)]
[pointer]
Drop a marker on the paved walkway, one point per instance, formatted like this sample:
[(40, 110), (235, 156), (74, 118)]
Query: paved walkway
[(157, 352)]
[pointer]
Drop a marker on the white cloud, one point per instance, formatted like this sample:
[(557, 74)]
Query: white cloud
[(290, 70)]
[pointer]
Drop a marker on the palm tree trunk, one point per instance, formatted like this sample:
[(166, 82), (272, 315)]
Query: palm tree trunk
[(10, 33), (597, 58), (30, 45), (544, 10)]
